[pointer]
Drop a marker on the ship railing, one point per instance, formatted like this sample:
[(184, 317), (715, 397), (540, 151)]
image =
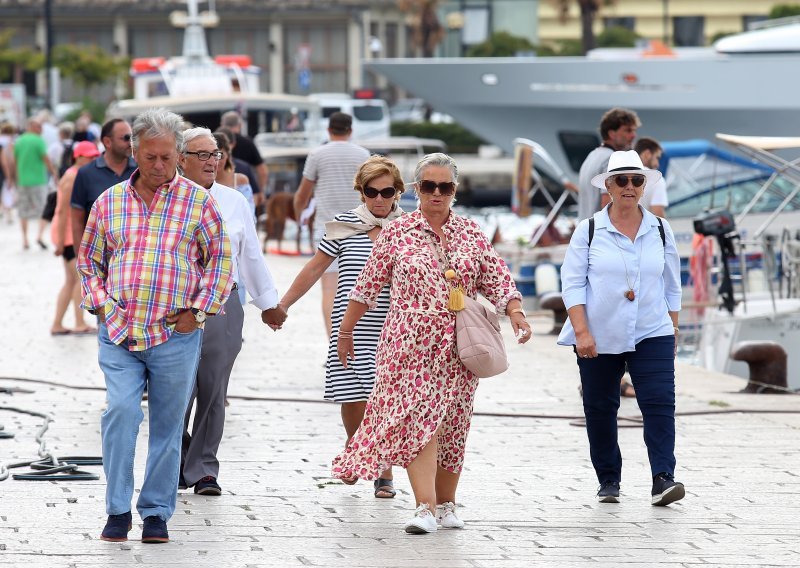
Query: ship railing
[(773, 23), (762, 149)]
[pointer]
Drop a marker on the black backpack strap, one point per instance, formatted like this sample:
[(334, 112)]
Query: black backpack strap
[(660, 230), (591, 230)]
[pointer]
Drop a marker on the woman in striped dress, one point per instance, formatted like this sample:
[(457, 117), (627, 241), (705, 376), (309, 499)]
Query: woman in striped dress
[(350, 237)]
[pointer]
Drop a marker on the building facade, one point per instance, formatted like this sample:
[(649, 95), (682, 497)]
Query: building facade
[(328, 38), (682, 23)]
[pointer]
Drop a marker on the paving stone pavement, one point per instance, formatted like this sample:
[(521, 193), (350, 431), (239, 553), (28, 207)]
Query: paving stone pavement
[(527, 492)]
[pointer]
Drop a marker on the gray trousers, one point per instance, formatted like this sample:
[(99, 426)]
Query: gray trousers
[(222, 341)]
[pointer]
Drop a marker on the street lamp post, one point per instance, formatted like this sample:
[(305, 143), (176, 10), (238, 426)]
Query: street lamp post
[(665, 21), (48, 52)]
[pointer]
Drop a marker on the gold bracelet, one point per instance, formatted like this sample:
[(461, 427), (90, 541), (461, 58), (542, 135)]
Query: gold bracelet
[(676, 329), (518, 311)]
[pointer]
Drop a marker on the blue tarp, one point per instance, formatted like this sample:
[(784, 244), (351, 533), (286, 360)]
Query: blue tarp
[(698, 147)]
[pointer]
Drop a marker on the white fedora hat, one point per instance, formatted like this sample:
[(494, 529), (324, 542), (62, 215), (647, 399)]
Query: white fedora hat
[(623, 162)]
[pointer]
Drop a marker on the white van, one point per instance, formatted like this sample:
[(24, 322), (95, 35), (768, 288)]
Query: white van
[(370, 116)]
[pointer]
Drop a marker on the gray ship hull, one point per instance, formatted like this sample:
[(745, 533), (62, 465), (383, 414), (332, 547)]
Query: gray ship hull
[(677, 99)]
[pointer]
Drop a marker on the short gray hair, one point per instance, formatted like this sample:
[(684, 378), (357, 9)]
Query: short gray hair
[(197, 132), (155, 123), (66, 129), (436, 159), (231, 119)]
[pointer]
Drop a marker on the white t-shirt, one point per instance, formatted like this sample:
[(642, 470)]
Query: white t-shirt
[(655, 194)]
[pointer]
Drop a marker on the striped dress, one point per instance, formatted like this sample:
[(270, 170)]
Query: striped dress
[(356, 381)]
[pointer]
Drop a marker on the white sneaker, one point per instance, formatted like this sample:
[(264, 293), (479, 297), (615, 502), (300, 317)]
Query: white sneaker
[(446, 516), (423, 521)]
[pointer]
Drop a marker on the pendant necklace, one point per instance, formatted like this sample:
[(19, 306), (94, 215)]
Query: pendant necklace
[(630, 295)]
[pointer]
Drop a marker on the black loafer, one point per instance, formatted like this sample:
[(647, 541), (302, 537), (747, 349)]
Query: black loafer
[(155, 530), (117, 527), (208, 486)]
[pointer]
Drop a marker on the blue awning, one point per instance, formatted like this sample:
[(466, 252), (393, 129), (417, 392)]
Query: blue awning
[(699, 147)]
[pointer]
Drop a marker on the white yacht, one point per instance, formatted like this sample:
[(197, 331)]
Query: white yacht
[(202, 88), (746, 84)]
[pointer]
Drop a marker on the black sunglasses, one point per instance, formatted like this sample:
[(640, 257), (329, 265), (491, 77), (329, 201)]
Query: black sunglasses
[(126, 137), (622, 180), (386, 192), (445, 187)]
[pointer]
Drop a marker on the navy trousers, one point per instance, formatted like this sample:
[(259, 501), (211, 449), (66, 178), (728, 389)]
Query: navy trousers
[(652, 370)]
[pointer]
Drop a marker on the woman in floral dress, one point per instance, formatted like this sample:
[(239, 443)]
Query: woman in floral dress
[(419, 412)]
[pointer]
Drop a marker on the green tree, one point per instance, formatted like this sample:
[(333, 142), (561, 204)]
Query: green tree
[(501, 44), (88, 65), (12, 59), (784, 11), (617, 36)]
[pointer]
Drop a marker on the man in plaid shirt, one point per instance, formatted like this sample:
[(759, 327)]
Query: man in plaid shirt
[(155, 261)]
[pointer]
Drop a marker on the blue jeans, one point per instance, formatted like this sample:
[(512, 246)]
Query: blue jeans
[(652, 370), (168, 370)]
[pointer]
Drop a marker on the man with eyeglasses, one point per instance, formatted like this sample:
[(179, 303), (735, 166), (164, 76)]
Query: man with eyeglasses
[(328, 177), (222, 339), (113, 166)]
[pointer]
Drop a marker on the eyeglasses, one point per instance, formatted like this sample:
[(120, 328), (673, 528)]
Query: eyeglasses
[(205, 156), (622, 180), (386, 192), (428, 186), (126, 137)]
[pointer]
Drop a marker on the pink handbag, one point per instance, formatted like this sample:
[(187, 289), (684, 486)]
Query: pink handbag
[(478, 341)]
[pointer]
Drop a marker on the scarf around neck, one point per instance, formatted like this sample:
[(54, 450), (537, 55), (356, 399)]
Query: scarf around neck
[(337, 230)]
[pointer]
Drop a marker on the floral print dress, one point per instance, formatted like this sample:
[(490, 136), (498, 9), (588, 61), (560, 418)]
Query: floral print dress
[(421, 386)]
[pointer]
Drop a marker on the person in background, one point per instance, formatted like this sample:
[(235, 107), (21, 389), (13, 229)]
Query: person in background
[(227, 175), (155, 263), (30, 177), (115, 165), (622, 291), (655, 197), (245, 149), (60, 152), (7, 191), (200, 161), (240, 166), (328, 176), (418, 415), (349, 238), (617, 131), (61, 235)]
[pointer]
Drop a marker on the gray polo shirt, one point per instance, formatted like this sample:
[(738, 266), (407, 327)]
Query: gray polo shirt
[(588, 195)]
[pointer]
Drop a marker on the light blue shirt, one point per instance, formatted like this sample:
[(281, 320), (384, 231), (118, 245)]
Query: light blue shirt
[(596, 278)]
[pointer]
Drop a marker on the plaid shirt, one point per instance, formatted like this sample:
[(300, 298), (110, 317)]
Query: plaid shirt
[(142, 264)]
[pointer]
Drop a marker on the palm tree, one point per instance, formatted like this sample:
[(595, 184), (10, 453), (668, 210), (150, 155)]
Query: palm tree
[(589, 9), (428, 30)]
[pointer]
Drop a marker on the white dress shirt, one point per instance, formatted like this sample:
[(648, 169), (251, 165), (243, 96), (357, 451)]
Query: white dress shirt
[(596, 278), (249, 267)]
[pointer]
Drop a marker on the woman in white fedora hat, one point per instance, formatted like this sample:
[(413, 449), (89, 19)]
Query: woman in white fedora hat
[(621, 286)]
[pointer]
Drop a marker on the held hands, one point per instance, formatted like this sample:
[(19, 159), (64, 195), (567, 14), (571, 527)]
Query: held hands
[(184, 321), (274, 317), (585, 345), (521, 327)]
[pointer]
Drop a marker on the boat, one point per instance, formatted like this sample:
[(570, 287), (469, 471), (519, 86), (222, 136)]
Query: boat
[(745, 84), (202, 88)]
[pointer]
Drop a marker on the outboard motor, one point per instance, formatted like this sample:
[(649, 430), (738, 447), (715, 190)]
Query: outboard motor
[(719, 223)]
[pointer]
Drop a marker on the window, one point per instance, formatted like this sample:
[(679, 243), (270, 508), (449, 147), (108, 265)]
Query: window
[(368, 113), (627, 23), (747, 20), (688, 31), (577, 145)]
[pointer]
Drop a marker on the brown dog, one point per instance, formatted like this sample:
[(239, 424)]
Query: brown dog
[(280, 206)]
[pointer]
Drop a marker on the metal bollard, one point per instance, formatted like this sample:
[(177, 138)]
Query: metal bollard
[(767, 363)]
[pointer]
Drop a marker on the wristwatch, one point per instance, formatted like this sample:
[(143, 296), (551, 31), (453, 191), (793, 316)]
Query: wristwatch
[(518, 311), (199, 316)]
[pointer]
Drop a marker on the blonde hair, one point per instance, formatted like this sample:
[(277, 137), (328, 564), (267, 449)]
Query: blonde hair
[(374, 167)]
